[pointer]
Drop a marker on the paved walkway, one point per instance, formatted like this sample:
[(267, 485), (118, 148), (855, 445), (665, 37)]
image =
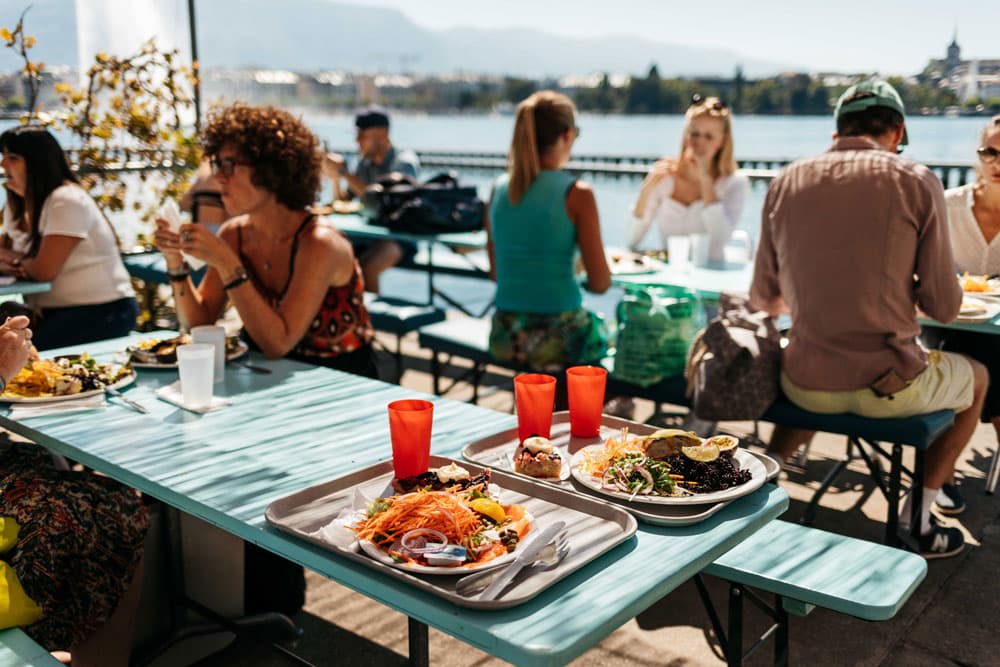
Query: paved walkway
[(951, 619)]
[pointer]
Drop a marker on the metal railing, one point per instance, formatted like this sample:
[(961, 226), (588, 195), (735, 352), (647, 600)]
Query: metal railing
[(637, 166)]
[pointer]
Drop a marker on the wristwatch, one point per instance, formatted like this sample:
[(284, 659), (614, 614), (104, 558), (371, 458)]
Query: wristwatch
[(240, 276)]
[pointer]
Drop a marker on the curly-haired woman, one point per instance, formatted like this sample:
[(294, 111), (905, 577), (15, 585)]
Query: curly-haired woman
[(291, 275)]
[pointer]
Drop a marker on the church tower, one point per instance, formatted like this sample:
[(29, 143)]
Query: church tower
[(954, 58)]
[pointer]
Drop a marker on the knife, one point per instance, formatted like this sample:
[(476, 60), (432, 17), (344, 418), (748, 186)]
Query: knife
[(525, 555), (111, 391)]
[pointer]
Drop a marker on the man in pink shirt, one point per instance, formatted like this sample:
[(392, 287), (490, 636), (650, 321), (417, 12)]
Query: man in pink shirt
[(852, 242)]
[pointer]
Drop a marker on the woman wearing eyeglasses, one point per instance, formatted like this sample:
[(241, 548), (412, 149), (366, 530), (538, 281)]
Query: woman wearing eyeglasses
[(699, 192), (539, 217), (974, 219), (291, 275), (53, 232)]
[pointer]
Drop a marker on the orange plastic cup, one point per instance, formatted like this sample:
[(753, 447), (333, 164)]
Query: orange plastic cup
[(410, 431), (585, 388), (534, 395)]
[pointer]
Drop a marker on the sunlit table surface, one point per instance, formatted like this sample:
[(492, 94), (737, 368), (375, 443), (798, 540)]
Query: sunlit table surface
[(24, 287), (303, 425)]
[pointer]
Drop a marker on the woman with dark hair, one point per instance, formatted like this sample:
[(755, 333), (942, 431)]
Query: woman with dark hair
[(539, 217), (291, 275), (54, 232)]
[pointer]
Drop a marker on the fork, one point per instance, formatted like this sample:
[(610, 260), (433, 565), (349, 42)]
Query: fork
[(550, 556)]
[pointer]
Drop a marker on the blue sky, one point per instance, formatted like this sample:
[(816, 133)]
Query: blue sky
[(889, 36)]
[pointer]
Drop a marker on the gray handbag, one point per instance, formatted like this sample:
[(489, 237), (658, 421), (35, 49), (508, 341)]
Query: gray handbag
[(734, 365)]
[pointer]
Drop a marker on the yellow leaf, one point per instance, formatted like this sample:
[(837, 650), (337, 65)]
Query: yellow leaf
[(5, 34), (29, 42)]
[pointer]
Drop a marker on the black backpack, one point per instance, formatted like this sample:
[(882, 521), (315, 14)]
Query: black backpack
[(437, 206)]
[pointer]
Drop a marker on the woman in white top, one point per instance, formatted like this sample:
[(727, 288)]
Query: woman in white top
[(53, 232), (699, 192), (974, 221)]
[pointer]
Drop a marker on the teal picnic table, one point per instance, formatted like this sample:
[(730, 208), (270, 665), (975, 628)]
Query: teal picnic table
[(24, 287), (303, 425)]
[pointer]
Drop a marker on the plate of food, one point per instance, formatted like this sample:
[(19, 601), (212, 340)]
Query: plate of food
[(624, 263), (537, 457), (65, 379), (445, 521), (162, 352), (980, 285), (977, 310), (669, 467)]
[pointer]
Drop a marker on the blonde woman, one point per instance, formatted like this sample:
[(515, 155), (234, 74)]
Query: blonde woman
[(974, 222), (699, 192), (539, 218)]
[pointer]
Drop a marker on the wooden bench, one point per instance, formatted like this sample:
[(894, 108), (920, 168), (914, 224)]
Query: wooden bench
[(19, 650), (806, 568), (399, 317)]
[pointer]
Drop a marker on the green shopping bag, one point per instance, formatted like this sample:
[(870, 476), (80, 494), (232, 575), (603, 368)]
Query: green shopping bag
[(656, 326)]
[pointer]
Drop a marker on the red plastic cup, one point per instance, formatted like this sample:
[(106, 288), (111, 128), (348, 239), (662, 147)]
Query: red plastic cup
[(585, 388), (410, 431), (534, 395)]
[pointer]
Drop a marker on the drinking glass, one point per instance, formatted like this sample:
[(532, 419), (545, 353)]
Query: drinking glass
[(410, 431), (196, 363), (534, 395), (585, 387), (215, 336), (679, 251)]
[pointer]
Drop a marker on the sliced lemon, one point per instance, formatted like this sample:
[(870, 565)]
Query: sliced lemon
[(703, 453), (727, 444), (490, 508)]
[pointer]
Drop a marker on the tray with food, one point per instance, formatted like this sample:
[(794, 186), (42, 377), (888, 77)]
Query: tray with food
[(65, 379), (627, 262), (435, 530), (162, 352), (980, 285), (636, 466)]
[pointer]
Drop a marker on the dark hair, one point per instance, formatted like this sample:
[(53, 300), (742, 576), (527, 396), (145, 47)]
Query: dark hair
[(284, 153), (871, 122), (45, 169)]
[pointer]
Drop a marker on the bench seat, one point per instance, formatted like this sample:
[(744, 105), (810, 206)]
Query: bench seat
[(399, 317), (806, 568), (19, 650)]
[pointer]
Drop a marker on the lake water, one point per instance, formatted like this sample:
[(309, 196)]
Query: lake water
[(933, 139)]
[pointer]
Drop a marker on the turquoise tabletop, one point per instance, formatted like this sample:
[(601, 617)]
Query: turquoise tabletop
[(18, 650), (24, 287), (357, 226), (304, 425)]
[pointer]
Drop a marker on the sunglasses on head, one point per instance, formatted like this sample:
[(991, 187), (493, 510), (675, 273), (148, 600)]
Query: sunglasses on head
[(713, 103), (987, 154), (225, 166)]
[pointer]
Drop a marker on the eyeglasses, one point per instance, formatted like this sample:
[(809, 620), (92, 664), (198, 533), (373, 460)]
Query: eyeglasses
[(713, 103), (225, 166), (987, 154)]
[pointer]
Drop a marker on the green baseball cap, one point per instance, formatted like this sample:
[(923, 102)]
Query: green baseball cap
[(872, 93)]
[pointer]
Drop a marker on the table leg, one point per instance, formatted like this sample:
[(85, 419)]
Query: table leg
[(419, 644), (734, 654)]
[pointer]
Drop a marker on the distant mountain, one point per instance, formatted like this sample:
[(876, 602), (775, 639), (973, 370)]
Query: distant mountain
[(308, 35)]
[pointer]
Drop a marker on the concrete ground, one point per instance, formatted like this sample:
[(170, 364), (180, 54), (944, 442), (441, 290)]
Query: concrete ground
[(951, 618)]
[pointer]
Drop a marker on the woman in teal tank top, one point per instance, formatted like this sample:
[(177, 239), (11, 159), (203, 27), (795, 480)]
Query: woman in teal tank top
[(539, 217)]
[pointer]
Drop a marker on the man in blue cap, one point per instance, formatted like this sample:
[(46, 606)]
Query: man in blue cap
[(852, 243), (377, 157)]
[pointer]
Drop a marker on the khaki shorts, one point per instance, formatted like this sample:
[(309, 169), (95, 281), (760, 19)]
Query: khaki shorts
[(946, 384)]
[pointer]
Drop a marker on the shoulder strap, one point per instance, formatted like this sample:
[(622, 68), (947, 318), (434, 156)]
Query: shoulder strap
[(295, 248)]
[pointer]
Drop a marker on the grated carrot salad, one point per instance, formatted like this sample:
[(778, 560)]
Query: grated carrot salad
[(438, 510)]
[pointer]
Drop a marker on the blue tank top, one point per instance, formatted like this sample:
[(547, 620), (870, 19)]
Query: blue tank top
[(535, 247)]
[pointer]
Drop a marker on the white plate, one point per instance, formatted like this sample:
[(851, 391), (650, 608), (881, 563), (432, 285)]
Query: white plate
[(563, 471), (746, 461), (993, 283), (241, 350), (369, 548), (124, 382), (631, 263), (976, 310)]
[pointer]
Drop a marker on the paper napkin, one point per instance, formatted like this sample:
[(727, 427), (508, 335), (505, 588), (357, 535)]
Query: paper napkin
[(172, 215), (172, 394), (20, 411)]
